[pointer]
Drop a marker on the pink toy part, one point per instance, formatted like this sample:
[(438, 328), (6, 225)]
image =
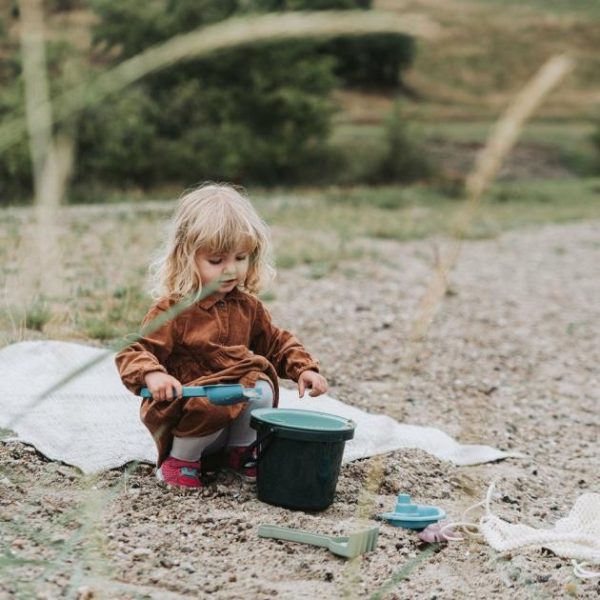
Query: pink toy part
[(438, 532)]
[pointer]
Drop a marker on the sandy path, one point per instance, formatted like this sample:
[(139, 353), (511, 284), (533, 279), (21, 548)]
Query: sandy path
[(512, 360)]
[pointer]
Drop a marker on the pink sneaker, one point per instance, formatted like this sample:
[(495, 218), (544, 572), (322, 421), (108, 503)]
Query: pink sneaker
[(179, 473), (247, 470)]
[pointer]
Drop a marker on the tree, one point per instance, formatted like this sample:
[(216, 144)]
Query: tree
[(254, 114), (260, 113)]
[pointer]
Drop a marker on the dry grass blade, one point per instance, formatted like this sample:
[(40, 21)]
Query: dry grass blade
[(404, 571), (499, 144), (366, 502), (155, 324), (51, 164), (227, 34), (506, 132), (38, 110)]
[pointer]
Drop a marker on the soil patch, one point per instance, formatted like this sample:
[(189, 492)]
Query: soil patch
[(510, 360)]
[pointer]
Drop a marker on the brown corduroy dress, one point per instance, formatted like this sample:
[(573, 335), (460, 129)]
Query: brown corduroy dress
[(216, 340)]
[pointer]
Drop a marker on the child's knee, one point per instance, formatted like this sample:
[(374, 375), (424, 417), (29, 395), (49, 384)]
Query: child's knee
[(265, 399)]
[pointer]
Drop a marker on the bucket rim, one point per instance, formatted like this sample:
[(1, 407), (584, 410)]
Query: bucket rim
[(340, 428)]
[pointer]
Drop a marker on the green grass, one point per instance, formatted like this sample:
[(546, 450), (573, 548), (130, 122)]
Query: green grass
[(410, 212), (491, 48), (551, 133), (37, 314), (589, 8), (568, 143)]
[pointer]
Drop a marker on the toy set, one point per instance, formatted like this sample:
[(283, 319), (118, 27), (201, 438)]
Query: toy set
[(299, 457)]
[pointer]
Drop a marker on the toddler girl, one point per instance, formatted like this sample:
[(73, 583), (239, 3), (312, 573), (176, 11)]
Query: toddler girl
[(217, 243)]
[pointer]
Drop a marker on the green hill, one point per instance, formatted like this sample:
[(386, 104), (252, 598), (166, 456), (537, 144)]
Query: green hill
[(489, 48)]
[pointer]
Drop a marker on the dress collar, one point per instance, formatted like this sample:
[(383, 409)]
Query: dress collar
[(208, 302)]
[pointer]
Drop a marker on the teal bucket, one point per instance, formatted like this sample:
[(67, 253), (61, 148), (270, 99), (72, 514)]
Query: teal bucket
[(299, 456)]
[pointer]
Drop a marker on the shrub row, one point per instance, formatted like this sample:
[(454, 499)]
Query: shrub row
[(260, 114)]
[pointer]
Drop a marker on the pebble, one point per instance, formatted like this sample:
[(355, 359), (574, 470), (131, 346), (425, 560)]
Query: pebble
[(139, 553), (188, 568), (66, 472), (58, 538), (514, 574)]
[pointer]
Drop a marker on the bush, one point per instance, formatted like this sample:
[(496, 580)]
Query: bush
[(372, 61), (262, 123), (257, 114), (596, 143), (404, 160), (130, 26), (15, 162), (117, 142), (280, 5)]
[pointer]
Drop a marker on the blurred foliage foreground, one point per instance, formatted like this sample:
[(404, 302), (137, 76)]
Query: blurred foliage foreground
[(255, 114)]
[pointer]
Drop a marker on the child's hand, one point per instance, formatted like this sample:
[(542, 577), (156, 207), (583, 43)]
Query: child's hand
[(313, 381), (163, 386)]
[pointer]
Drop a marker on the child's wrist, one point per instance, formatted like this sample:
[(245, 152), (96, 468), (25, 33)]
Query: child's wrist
[(149, 373)]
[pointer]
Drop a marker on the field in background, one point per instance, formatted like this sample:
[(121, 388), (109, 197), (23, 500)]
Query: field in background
[(546, 149), (459, 84), (488, 49), (105, 249)]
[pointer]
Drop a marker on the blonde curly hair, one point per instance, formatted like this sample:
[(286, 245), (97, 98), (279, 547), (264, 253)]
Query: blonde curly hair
[(216, 219)]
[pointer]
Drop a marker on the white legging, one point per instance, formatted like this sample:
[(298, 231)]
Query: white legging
[(238, 433)]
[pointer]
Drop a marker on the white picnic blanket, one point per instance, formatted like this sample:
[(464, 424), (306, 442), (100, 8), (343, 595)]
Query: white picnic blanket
[(93, 422)]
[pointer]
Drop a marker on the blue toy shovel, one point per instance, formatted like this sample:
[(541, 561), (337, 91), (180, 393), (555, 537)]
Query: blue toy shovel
[(223, 394)]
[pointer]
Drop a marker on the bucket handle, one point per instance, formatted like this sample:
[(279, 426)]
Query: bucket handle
[(247, 460)]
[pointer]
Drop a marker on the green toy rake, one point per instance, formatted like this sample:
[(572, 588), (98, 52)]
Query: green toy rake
[(348, 546)]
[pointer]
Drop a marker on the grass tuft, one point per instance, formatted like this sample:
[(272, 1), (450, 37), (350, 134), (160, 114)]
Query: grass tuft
[(37, 314)]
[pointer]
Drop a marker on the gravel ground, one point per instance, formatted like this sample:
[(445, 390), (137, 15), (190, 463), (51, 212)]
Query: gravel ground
[(511, 360)]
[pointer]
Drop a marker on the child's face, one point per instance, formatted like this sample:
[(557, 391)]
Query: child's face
[(229, 269)]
